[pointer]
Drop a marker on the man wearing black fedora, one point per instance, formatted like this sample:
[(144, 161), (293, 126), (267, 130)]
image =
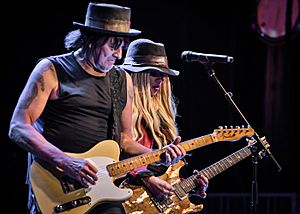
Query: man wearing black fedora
[(71, 104), (154, 120)]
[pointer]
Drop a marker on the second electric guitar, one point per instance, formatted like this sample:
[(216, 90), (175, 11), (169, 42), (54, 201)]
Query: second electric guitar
[(143, 200)]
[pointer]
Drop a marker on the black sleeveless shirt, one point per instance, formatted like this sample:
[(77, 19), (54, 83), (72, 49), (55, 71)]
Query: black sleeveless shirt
[(82, 116)]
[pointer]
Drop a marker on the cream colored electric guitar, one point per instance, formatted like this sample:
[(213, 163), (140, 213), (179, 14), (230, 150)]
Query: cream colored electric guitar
[(56, 193)]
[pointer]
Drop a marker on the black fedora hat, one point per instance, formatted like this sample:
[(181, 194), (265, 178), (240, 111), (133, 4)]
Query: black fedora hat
[(109, 19), (144, 54)]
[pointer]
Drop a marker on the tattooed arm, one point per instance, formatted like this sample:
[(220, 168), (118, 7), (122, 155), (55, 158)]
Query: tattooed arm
[(41, 86)]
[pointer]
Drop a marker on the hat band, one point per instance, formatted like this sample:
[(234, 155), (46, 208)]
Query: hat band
[(160, 61), (112, 25)]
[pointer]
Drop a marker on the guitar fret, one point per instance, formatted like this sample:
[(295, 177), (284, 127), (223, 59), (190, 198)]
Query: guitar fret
[(136, 163), (148, 159), (222, 166), (142, 160), (236, 158), (211, 172), (214, 169), (231, 160), (192, 184), (118, 166), (125, 165), (206, 174)]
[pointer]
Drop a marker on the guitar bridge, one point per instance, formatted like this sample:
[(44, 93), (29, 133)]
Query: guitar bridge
[(72, 204), (69, 184), (161, 204)]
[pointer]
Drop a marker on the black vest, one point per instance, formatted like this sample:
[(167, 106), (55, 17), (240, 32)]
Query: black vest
[(84, 114)]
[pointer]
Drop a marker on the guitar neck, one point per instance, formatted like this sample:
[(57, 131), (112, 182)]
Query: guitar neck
[(124, 166), (227, 162), (211, 171)]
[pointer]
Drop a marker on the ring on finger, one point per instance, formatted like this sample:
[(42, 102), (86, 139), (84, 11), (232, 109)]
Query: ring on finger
[(83, 180)]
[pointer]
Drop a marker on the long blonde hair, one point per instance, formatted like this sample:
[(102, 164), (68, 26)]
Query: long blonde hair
[(157, 112)]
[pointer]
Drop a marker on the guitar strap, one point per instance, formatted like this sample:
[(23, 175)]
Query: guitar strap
[(115, 87)]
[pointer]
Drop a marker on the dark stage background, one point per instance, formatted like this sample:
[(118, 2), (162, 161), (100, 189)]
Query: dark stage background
[(262, 79)]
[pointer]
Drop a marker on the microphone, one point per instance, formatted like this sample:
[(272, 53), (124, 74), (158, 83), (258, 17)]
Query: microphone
[(191, 56)]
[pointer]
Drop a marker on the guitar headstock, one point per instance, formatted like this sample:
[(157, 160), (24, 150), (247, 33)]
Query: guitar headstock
[(232, 134)]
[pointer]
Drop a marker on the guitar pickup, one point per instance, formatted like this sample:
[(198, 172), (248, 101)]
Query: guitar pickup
[(72, 204), (180, 191)]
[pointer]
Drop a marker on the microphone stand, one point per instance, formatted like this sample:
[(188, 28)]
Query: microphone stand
[(265, 152)]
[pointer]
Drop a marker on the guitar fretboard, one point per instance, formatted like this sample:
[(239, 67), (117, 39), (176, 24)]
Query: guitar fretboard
[(124, 166), (185, 186)]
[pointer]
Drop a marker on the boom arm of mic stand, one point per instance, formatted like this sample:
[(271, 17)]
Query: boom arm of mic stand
[(228, 95)]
